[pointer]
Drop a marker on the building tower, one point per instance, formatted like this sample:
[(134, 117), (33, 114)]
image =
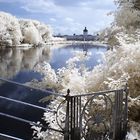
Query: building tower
[(85, 32)]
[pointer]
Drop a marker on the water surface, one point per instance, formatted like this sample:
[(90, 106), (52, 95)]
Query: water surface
[(18, 65)]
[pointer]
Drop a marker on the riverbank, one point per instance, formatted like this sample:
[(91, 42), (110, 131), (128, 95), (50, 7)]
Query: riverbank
[(58, 44)]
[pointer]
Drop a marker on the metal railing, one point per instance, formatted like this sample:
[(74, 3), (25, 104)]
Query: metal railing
[(103, 116), (8, 137), (95, 116)]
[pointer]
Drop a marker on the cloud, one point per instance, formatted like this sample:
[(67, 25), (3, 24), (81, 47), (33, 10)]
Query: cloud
[(98, 4), (52, 19), (70, 15), (41, 6)]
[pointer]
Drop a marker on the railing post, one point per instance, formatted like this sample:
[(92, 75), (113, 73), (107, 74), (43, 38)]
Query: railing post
[(72, 129), (75, 129), (66, 130), (125, 113), (118, 116)]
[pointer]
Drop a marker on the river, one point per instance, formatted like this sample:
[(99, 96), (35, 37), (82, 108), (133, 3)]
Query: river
[(17, 64)]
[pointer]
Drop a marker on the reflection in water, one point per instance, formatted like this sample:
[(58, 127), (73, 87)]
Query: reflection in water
[(61, 55), (13, 60)]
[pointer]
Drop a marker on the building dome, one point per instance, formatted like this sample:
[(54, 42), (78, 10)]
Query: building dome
[(85, 30)]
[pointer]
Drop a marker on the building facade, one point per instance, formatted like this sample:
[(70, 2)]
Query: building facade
[(83, 37)]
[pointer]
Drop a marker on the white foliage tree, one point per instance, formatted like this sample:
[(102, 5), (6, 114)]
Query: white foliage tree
[(128, 13), (30, 33), (10, 29), (14, 31)]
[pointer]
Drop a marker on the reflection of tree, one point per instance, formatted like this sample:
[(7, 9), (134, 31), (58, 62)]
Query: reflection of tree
[(13, 60)]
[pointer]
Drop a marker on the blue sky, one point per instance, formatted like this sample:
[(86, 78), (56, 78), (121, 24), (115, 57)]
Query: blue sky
[(65, 16)]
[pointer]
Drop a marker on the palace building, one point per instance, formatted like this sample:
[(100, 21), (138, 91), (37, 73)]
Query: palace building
[(83, 37)]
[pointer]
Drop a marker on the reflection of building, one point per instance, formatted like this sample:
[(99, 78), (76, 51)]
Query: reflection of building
[(85, 36)]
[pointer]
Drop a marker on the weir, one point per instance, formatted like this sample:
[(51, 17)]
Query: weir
[(95, 116)]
